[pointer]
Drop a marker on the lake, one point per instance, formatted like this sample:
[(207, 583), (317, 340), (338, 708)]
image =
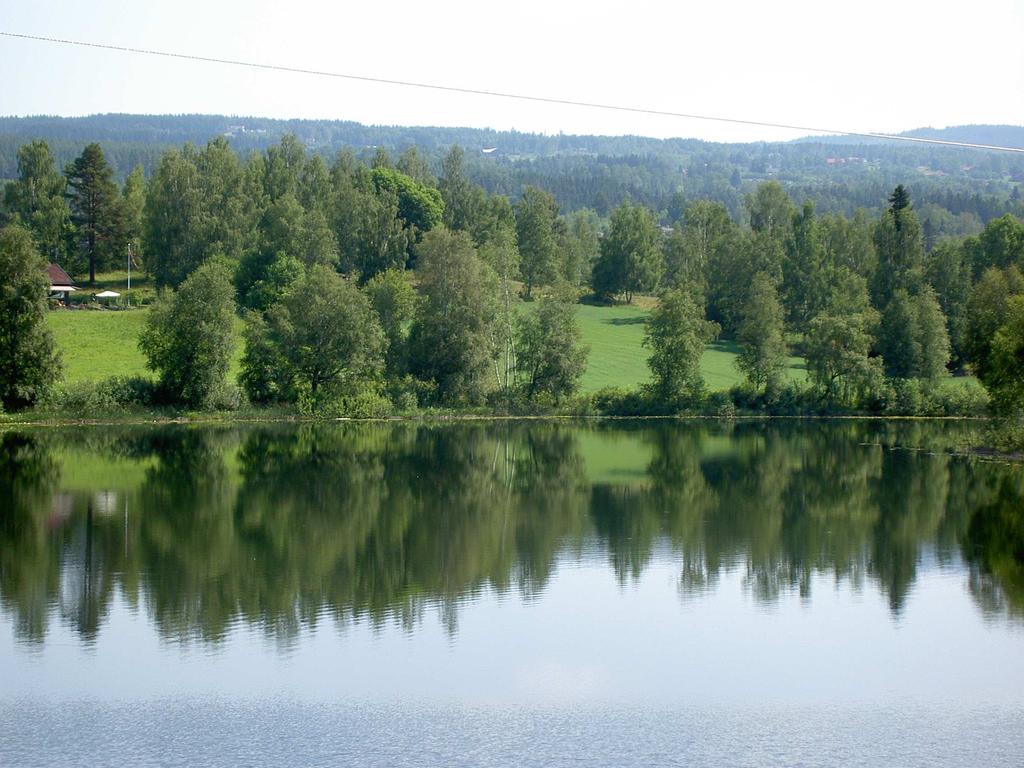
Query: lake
[(510, 593)]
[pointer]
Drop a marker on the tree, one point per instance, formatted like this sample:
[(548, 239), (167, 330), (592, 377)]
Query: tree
[(630, 259), (536, 214), (550, 359), (327, 335), (417, 167), (188, 338), (676, 333), (770, 210), (97, 210), (37, 198), (838, 344), (897, 338), (394, 300), (289, 239), (986, 313), (692, 246), (741, 256), (804, 270), (932, 336), (462, 198), (200, 204), (29, 363), (950, 277), (419, 206), (133, 196), (451, 339), (1000, 244), (761, 337), (581, 246), (1004, 378), (913, 339), (900, 248), (501, 254)]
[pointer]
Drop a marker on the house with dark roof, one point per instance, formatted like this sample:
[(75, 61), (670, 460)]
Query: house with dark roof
[(61, 284)]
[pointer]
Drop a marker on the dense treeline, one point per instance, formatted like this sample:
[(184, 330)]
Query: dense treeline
[(957, 193), (367, 286)]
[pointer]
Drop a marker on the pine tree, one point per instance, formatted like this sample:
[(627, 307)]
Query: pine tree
[(96, 209)]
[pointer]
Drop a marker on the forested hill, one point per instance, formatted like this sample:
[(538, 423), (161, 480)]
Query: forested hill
[(966, 187)]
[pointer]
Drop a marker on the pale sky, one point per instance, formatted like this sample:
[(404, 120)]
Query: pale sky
[(869, 65)]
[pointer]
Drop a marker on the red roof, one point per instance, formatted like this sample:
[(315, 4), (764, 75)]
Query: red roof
[(57, 275)]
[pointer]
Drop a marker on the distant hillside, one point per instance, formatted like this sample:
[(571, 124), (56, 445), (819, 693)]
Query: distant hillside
[(837, 173), (994, 135)]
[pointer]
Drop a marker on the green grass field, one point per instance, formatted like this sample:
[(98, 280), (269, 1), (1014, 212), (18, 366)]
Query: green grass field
[(618, 357), (101, 343), (98, 344)]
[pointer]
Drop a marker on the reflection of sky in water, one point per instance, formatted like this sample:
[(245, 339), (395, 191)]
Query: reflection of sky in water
[(586, 640)]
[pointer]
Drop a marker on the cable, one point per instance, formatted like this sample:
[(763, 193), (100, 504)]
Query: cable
[(506, 95)]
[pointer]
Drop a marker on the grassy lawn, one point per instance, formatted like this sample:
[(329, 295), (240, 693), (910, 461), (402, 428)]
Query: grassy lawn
[(618, 358), (98, 344)]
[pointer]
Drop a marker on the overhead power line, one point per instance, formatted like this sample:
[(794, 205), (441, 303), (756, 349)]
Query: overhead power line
[(504, 94)]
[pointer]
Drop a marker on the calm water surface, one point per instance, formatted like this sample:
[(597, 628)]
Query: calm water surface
[(510, 594)]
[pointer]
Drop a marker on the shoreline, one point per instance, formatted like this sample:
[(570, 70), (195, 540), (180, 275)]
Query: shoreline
[(228, 418)]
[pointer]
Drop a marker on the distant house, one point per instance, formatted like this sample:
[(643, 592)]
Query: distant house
[(61, 284)]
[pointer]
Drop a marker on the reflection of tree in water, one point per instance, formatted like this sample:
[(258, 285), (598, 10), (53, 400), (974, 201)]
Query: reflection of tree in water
[(994, 548), (29, 563), (278, 526)]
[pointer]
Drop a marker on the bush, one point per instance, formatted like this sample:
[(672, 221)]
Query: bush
[(720, 405), (957, 399), (619, 401), (84, 399), (362, 405)]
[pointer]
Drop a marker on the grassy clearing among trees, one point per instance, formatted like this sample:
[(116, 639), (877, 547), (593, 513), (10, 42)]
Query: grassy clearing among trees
[(96, 345)]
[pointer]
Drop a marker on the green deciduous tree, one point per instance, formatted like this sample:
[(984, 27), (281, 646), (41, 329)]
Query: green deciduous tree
[(37, 198), (676, 334), (419, 206), (804, 271), (394, 300), (133, 195), (97, 210), (451, 339), (912, 337), (462, 198), (327, 335), (1000, 245), (200, 204), (536, 214), (501, 254), (693, 244), (188, 338), (986, 312), (1005, 375), (29, 363), (761, 336), (550, 359), (631, 258), (770, 210), (949, 275), (839, 341)]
